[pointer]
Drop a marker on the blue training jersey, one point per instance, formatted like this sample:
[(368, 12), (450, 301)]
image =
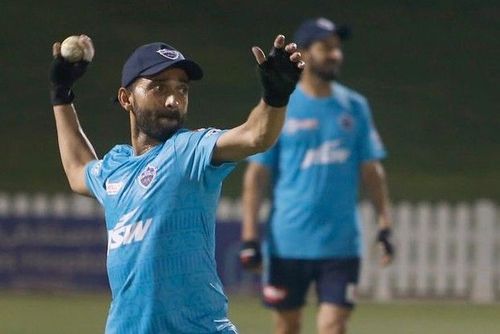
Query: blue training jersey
[(316, 167), (160, 212)]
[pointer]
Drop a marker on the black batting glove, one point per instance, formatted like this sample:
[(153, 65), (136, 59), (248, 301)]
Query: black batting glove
[(250, 255), (384, 239), (62, 76), (278, 75)]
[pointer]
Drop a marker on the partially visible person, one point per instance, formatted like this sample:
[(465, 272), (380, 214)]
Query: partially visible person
[(160, 193), (328, 144)]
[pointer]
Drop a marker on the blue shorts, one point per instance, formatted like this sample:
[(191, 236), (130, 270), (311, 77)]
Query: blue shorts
[(286, 281)]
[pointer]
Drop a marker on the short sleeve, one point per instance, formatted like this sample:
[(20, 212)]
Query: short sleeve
[(95, 180), (370, 145), (194, 150)]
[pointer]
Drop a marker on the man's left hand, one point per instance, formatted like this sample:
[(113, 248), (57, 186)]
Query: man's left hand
[(279, 72)]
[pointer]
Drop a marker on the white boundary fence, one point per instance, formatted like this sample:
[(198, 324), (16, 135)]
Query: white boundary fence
[(443, 250)]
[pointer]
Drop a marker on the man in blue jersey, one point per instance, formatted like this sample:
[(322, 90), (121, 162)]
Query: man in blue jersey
[(328, 142), (160, 193)]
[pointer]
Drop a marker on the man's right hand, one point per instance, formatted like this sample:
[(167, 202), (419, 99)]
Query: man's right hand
[(63, 74), (250, 256)]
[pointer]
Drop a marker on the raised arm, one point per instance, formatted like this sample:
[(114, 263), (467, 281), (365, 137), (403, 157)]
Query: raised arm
[(279, 73), (75, 149)]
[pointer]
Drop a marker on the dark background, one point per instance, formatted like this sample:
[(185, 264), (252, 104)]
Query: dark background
[(429, 69)]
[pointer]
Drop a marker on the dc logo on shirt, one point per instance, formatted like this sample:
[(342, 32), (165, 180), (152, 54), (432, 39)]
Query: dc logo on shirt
[(346, 122), (147, 176)]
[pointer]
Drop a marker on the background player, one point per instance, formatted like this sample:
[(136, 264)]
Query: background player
[(160, 193), (328, 142)]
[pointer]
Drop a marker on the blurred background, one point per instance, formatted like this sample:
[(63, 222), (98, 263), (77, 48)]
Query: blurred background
[(429, 69)]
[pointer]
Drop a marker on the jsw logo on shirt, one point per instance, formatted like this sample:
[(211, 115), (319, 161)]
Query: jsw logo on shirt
[(327, 153), (123, 234)]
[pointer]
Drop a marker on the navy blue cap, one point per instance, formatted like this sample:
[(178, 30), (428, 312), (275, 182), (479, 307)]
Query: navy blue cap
[(151, 59), (313, 30)]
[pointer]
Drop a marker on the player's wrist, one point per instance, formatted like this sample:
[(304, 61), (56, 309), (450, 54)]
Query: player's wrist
[(62, 76), (275, 101), (384, 238), (250, 255), (250, 243), (61, 95), (384, 233)]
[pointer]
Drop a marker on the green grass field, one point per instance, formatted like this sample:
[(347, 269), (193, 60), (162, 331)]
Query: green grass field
[(85, 314)]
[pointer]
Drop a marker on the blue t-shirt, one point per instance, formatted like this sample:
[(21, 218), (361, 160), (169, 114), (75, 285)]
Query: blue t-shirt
[(160, 215), (316, 166)]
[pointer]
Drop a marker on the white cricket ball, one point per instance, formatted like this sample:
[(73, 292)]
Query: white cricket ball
[(71, 49)]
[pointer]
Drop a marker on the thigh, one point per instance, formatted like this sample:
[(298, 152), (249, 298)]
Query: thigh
[(286, 282), (337, 280)]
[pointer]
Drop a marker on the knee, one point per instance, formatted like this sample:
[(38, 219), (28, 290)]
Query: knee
[(335, 325), (290, 325)]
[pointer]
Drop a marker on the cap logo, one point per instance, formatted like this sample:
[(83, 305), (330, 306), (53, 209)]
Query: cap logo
[(169, 54), (325, 24)]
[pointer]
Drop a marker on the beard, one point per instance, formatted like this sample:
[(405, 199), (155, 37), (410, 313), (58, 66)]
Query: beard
[(159, 125), (328, 71)]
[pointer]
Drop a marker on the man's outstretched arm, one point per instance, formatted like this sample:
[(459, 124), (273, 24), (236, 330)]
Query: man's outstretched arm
[(75, 149), (279, 73)]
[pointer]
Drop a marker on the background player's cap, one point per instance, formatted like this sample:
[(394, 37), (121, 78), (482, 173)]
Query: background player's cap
[(313, 30), (151, 59)]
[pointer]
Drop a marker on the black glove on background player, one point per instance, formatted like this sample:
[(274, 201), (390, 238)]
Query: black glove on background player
[(62, 76), (250, 256), (384, 239), (278, 75)]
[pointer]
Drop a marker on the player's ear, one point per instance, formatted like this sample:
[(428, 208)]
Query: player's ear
[(124, 97)]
